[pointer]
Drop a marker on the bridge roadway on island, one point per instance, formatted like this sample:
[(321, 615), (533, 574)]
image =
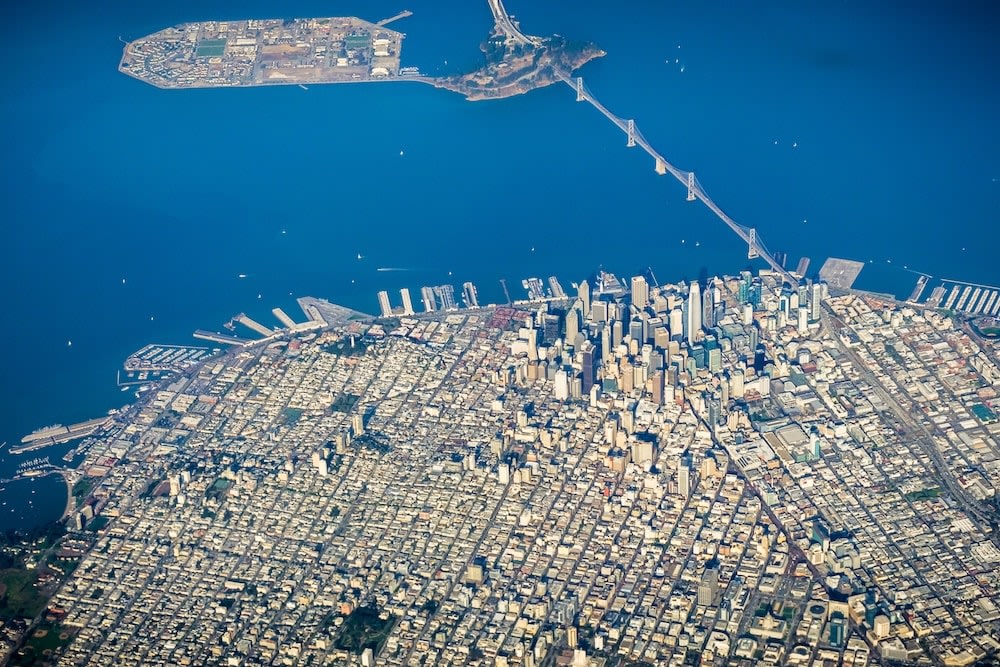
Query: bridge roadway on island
[(749, 236)]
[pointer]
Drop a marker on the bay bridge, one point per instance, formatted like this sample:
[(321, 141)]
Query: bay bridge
[(755, 246)]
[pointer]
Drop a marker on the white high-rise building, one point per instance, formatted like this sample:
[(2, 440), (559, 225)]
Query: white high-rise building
[(561, 385), (640, 292), (694, 311), (383, 302), (815, 301), (684, 480), (407, 302), (583, 291), (676, 323)]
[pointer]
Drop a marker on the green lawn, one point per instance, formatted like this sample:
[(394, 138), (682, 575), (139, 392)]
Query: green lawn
[(43, 641), (20, 597), (208, 48)]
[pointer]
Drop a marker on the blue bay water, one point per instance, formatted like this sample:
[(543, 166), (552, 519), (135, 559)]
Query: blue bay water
[(892, 109)]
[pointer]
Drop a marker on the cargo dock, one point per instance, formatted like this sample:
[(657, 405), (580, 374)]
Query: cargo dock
[(57, 434), (216, 337), (918, 289), (253, 324), (329, 314), (283, 317)]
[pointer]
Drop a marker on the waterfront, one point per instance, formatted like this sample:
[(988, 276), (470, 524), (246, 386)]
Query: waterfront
[(100, 190)]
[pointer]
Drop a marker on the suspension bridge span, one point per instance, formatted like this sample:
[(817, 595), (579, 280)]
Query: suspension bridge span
[(755, 246)]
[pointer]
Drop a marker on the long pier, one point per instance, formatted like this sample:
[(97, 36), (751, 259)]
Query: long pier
[(402, 15), (221, 338), (58, 434), (283, 317), (250, 323)]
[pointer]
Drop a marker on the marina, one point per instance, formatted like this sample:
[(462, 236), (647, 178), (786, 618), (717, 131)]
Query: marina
[(159, 357)]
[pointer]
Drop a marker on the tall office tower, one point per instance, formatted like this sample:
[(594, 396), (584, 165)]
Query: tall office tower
[(657, 389), (637, 331), (616, 333), (606, 352), (718, 303), (713, 404), (589, 372), (599, 311), (572, 326), (683, 477), (470, 295), (785, 305), (428, 296), (759, 358), (550, 328), (736, 383), (615, 310), (383, 302), (713, 357), (561, 387), (640, 292), (694, 311), (708, 309), (746, 283), (676, 324), (815, 301), (407, 302), (583, 291), (708, 587), (803, 291), (661, 337)]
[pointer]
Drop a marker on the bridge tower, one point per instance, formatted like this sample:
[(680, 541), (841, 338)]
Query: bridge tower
[(661, 166), (691, 195), (580, 97), (752, 252), (631, 134)]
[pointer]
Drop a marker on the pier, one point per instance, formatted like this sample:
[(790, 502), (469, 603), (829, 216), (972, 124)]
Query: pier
[(249, 323), (918, 289), (284, 318), (326, 314), (402, 15), (55, 435), (221, 338)]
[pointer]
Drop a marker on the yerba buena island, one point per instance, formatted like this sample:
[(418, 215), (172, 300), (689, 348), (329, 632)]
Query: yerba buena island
[(769, 467)]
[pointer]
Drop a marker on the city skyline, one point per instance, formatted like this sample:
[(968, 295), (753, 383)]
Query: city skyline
[(773, 456)]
